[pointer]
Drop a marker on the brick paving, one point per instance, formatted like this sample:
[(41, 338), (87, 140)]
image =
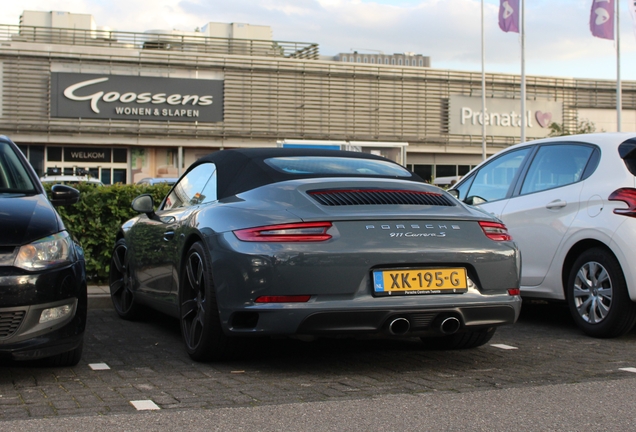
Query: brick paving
[(147, 362)]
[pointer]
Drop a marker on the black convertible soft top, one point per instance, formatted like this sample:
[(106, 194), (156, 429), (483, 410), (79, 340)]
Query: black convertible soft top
[(240, 170)]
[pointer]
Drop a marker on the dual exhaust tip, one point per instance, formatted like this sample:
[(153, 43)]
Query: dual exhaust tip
[(447, 325)]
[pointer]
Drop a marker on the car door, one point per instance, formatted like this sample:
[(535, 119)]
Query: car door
[(544, 205), (164, 234)]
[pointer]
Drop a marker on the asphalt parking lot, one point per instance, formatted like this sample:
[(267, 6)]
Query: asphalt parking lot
[(147, 362)]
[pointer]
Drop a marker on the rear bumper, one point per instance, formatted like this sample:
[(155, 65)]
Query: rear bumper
[(622, 246), (306, 320), (420, 322)]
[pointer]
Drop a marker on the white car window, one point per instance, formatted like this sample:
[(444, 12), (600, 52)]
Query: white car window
[(555, 166), (494, 179)]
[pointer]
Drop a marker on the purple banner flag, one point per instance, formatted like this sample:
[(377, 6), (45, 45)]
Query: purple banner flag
[(509, 15), (602, 19)]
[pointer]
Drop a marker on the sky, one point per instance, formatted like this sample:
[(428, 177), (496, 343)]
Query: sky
[(558, 38)]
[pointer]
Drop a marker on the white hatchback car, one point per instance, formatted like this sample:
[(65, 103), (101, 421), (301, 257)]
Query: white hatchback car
[(570, 204)]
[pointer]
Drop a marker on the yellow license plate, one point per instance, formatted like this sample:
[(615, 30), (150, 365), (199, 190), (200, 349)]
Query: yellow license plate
[(420, 281)]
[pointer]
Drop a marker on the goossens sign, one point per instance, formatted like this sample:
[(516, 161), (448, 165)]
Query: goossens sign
[(120, 97)]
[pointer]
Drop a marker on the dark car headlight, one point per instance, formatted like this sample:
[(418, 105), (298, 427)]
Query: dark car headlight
[(48, 252)]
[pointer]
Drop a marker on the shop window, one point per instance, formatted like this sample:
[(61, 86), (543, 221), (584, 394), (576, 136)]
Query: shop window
[(366, 60), (421, 62), (392, 61), (424, 171), (406, 62), (69, 171), (373, 60), (119, 175), (445, 170), (463, 169), (94, 172), (386, 61), (54, 154), (120, 155), (106, 176), (36, 157)]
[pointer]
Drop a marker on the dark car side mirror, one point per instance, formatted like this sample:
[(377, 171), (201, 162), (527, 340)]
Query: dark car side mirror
[(62, 195), (144, 204)]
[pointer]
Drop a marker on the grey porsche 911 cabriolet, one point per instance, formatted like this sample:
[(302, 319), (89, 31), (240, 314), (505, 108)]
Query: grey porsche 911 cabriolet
[(313, 242)]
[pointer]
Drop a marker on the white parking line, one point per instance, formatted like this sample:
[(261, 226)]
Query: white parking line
[(143, 405), (628, 369), (503, 346), (99, 366)]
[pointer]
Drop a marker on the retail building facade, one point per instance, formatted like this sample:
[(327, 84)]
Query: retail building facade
[(132, 105)]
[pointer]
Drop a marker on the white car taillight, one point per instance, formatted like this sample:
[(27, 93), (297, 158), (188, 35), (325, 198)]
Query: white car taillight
[(628, 196)]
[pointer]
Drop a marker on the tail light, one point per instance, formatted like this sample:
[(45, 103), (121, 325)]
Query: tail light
[(296, 232), (495, 231), (628, 196)]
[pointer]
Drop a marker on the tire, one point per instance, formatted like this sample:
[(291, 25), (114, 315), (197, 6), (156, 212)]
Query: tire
[(465, 340), (69, 358), (120, 281), (597, 295), (199, 313)]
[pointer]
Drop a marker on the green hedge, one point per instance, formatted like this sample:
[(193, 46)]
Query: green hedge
[(96, 218)]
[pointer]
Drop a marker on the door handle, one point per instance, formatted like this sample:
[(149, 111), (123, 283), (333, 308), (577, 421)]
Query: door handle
[(168, 235), (556, 204)]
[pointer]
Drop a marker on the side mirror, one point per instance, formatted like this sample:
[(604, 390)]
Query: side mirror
[(474, 200), (62, 195), (144, 204)]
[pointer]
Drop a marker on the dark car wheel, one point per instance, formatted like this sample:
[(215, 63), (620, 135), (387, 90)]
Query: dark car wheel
[(200, 321), (465, 340), (597, 295), (120, 281), (69, 358)]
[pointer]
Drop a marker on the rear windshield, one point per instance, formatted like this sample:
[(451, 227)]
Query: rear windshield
[(14, 177), (318, 165), (627, 151)]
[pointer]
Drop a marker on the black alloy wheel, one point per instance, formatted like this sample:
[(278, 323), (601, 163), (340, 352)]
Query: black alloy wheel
[(597, 295), (200, 321), (121, 281), (66, 359)]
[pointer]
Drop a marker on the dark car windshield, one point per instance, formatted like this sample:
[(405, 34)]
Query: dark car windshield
[(14, 177), (319, 165)]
